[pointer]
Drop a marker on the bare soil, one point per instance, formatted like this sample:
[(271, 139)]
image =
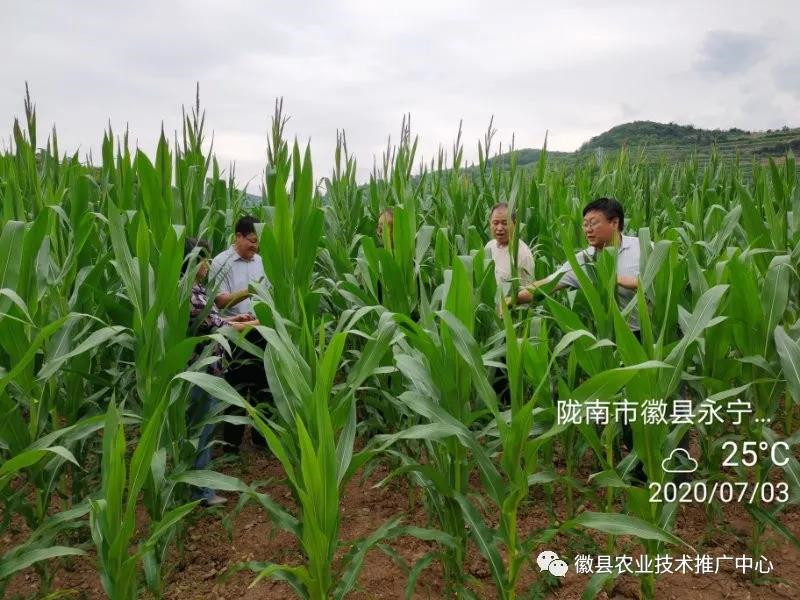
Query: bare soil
[(204, 568)]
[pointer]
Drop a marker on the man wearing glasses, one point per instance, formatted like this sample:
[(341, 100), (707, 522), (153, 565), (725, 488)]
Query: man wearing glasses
[(232, 272), (603, 220), (234, 269)]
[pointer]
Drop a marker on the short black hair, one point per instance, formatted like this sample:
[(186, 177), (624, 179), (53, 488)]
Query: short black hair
[(503, 205), (609, 207), (246, 225), (203, 250)]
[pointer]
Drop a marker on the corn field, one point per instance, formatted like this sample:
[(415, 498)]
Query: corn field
[(387, 358)]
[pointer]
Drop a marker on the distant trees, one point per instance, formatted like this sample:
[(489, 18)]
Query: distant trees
[(670, 139)]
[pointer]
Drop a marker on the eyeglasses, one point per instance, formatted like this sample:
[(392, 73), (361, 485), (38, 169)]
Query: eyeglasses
[(590, 225)]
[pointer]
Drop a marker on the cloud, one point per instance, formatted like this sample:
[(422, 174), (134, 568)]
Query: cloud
[(574, 69), (731, 52), (629, 112), (787, 77)]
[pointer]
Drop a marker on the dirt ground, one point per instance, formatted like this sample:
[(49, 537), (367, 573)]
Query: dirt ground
[(196, 571)]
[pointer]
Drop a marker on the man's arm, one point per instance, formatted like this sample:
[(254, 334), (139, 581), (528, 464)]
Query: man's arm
[(564, 274), (220, 272), (525, 295), (630, 282), (225, 299)]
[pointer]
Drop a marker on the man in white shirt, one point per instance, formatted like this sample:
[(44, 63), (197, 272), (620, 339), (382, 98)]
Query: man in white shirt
[(603, 220), (502, 228), (233, 270), (231, 273)]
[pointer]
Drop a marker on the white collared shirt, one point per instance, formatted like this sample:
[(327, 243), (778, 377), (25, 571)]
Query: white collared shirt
[(230, 272), (502, 263), (628, 257)]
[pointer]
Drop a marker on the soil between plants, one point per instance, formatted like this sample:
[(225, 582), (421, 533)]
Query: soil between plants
[(197, 571)]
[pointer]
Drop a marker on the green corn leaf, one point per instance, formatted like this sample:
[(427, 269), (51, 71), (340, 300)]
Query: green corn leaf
[(484, 540), (12, 564), (619, 524), (165, 525), (11, 243), (769, 519), (344, 446), (414, 573), (95, 339), (789, 354), (775, 292)]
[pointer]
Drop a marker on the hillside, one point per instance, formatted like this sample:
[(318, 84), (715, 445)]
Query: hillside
[(674, 142), (669, 142)]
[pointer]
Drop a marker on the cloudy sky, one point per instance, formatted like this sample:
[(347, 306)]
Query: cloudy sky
[(573, 68)]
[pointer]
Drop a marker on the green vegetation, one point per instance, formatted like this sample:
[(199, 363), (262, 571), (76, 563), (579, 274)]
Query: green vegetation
[(668, 143), (384, 353)]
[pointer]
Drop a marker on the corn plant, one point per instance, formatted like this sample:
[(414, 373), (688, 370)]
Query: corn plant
[(113, 515), (314, 444), (48, 343), (393, 341)]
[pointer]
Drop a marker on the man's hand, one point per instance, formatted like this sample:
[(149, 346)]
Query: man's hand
[(630, 282), (241, 318), (524, 296), (509, 303), (242, 325)]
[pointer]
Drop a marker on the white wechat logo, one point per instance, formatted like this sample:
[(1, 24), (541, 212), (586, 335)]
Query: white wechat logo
[(549, 561)]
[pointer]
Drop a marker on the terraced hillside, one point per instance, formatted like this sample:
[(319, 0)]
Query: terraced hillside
[(669, 142)]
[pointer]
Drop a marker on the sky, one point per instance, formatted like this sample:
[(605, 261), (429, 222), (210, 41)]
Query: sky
[(571, 69)]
